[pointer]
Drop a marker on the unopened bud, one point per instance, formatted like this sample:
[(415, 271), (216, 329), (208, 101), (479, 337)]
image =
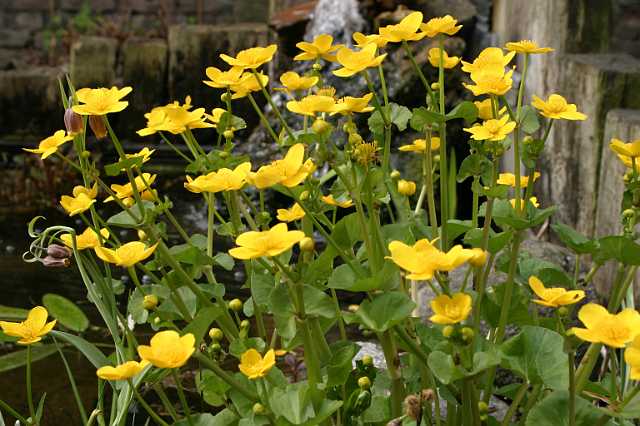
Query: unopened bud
[(563, 311), (484, 417), (58, 252), (150, 302), (348, 127), (85, 154), (447, 331), (629, 213), (235, 305), (435, 86), (355, 138), (316, 67), (364, 383), (406, 187), (353, 308), (436, 159), (223, 154), (245, 324), (225, 97), (216, 334), (157, 320), (228, 134), (142, 236), (320, 126), (483, 407), (128, 202), (304, 195), (307, 244), (395, 174), (72, 122), (96, 122), (258, 408), (367, 360), (53, 262), (467, 334)]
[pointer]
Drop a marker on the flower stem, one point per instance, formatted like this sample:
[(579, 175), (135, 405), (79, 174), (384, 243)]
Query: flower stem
[(264, 119), (444, 164), (572, 388), (156, 418), (269, 99), (522, 391), (183, 399), (32, 411)]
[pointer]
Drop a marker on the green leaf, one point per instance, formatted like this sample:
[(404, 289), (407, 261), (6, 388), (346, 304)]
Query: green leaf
[(573, 239), (497, 240), (240, 346), (18, 359), (617, 247), (225, 417), (7, 313), (89, 350), (339, 365), (212, 388), (225, 261), (537, 354), (465, 110), (554, 411), (400, 115), (447, 371), (66, 312), (317, 302), (529, 122), (124, 220), (116, 168), (200, 324), (293, 403), (385, 311), (422, 117), (474, 165)]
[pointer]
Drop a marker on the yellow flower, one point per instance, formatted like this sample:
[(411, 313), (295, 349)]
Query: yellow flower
[(510, 179), (249, 83), (126, 255), (496, 83), (145, 153), (123, 371), (532, 200), (31, 329), (168, 349), (312, 104), (219, 79), (632, 358), (556, 107), (422, 259), (174, 118), (328, 199), (221, 180), (350, 104), (527, 46), (362, 40), (492, 130), (291, 214), (255, 244), (614, 330), (251, 58), (101, 101), (405, 30), (450, 310), (216, 115), (292, 81), (485, 109), (447, 61), (554, 297), (49, 146), (321, 47), (406, 187), (156, 122), (355, 61), (289, 171), (254, 366), (81, 200), (490, 60), (420, 145), (88, 239), (479, 257), (629, 150), (122, 192), (444, 25)]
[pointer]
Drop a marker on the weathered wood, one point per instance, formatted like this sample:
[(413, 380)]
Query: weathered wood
[(623, 124), (93, 61)]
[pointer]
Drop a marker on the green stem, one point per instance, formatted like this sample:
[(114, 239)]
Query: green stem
[(6, 407), (72, 381), (168, 405), (572, 388), (522, 390), (336, 304), (146, 406), (181, 396), (444, 164), (275, 109), (248, 393), (264, 119), (428, 181), (393, 368), (32, 411)]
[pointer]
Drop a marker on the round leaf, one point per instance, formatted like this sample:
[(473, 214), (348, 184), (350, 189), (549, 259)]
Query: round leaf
[(66, 312)]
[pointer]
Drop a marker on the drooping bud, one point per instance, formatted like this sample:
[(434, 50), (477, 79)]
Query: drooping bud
[(245, 324), (304, 195), (435, 86), (96, 122), (52, 262), (467, 334), (58, 252), (72, 122), (142, 236), (228, 134), (412, 407), (448, 330)]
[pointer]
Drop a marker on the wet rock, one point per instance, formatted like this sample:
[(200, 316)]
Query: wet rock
[(144, 67), (93, 62), (340, 18), (462, 10), (30, 101)]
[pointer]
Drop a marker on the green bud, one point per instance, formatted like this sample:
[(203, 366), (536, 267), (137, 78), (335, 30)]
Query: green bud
[(364, 383), (320, 126), (258, 408), (629, 213), (316, 67), (353, 307), (484, 417), (225, 97), (355, 138), (157, 320), (367, 360), (307, 244), (245, 324), (435, 86), (395, 174), (436, 159), (142, 236), (216, 334), (228, 134), (265, 216), (215, 347), (235, 305), (223, 154), (448, 331), (483, 407), (467, 334), (563, 311), (86, 154), (150, 302)]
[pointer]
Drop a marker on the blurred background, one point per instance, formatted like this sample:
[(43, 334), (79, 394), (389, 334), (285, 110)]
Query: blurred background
[(162, 47)]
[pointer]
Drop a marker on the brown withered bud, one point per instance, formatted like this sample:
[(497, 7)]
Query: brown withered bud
[(427, 394), (72, 122), (96, 122), (412, 407), (58, 252), (52, 262), (395, 422)]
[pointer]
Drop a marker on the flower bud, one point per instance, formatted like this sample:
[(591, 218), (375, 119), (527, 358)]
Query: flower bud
[(258, 408), (157, 320), (483, 407), (367, 360), (563, 311), (353, 307), (225, 97), (479, 257), (348, 127), (316, 67), (406, 187), (142, 236), (150, 301), (228, 134), (484, 417), (72, 122), (395, 174), (304, 195), (235, 305), (435, 86), (629, 213), (448, 330), (307, 244), (364, 383), (216, 334), (355, 138), (58, 252), (245, 324), (223, 154), (85, 154), (320, 126), (96, 122), (412, 407), (128, 202), (215, 347), (436, 159), (53, 262), (467, 334)]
